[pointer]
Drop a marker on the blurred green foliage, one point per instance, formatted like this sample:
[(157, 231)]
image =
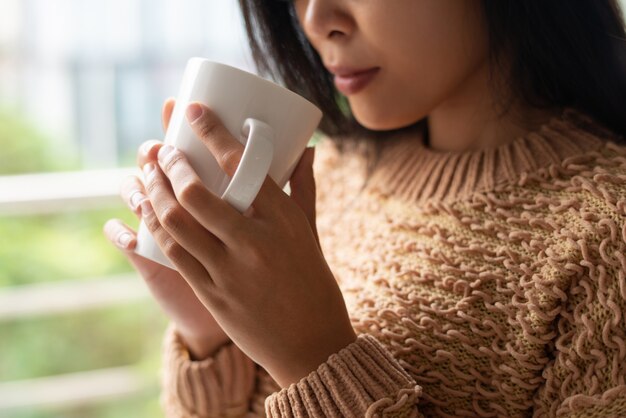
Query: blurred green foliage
[(61, 246), (70, 246), (26, 150), (74, 342)]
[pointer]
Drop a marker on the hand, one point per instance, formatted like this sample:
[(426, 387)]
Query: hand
[(194, 323), (261, 273)]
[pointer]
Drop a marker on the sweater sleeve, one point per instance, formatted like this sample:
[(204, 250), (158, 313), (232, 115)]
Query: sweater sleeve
[(363, 379), (228, 384)]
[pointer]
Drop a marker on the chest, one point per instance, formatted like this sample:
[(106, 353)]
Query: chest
[(457, 295)]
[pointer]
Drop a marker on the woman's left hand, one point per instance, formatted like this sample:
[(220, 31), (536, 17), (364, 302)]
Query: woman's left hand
[(261, 274)]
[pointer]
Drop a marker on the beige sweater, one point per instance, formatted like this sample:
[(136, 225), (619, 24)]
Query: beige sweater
[(485, 283)]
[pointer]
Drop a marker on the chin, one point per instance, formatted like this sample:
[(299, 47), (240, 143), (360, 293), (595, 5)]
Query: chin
[(383, 122)]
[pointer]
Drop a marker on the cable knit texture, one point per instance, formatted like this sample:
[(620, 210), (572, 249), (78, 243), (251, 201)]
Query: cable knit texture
[(487, 283)]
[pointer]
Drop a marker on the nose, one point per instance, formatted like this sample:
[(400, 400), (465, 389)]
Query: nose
[(324, 19)]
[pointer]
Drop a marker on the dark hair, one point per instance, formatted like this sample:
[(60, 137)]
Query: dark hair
[(562, 54)]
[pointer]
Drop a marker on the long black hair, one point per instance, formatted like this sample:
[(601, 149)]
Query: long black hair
[(563, 53)]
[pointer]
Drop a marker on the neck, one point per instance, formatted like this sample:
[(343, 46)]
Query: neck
[(469, 119)]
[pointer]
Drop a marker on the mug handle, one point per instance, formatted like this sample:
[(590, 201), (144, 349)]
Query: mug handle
[(254, 165)]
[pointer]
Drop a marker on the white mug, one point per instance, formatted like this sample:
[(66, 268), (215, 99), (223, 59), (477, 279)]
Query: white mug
[(273, 123)]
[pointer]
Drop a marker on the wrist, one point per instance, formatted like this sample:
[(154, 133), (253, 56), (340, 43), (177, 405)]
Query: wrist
[(202, 348), (305, 364)]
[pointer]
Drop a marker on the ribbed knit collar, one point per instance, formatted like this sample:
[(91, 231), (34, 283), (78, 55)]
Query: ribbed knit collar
[(409, 169)]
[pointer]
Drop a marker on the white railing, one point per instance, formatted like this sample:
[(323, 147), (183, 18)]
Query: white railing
[(34, 194), (72, 389), (69, 296), (30, 194)]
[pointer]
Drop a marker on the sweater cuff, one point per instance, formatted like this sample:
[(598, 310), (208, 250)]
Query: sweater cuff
[(218, 386), (362, 379)]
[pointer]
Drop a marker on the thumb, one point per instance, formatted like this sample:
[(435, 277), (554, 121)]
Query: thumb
[(209, 128), (302, 184)]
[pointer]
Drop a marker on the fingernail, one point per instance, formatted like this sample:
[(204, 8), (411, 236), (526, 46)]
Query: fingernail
[(124, 239), (164, 151), (136, 198), (194, 111), (148, 146), (146, 208), (147, 169)]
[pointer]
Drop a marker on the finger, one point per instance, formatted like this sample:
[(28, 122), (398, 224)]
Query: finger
[(228, 151), (166, 112), (193, 270), (213, 213), (302, 184), (189, 266), (117, 232), (120, 234), (148, 151), (133, 193), (182, 235)]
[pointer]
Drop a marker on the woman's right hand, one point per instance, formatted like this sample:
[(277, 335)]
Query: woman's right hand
[(194, 323)]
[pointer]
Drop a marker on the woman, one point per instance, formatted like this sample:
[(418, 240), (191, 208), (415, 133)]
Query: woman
[(470, 198)]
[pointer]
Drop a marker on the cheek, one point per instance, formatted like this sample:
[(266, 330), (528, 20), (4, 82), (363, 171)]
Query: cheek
[(405, 92), (422, 66)]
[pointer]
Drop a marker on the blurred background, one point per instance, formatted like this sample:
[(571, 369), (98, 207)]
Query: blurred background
[(82, 83)]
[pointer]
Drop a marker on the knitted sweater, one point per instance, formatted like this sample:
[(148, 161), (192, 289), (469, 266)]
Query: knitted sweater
[(485, 283)]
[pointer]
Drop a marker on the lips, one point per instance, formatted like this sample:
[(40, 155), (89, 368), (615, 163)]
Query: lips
[(350, 81), (344, 71)]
